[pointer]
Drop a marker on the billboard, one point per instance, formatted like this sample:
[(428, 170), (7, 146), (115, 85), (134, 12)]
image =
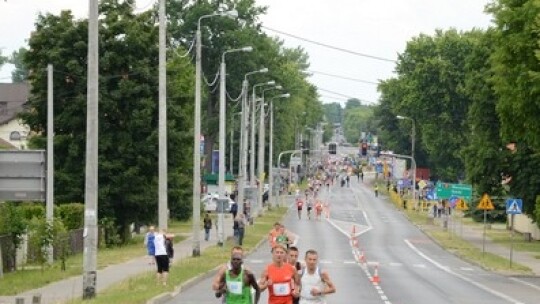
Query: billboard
[(23, 175)]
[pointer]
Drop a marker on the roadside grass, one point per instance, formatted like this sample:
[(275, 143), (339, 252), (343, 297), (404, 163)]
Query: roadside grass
[(141, 288), (33, 276), (450, 240)]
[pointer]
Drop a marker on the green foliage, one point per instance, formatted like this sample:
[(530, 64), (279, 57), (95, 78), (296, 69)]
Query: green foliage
[(109, 236), (42, 235), (71, 215), (20, 74), (12, 222), (537, 212), (333, 112), (358, 119), (32, 210)]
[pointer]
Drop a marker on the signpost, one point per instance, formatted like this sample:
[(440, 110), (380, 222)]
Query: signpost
[(513, 206), (446, 190), (485, 204)]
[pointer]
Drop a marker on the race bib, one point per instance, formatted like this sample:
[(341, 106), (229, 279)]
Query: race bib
[(281, 289), (234, 287)]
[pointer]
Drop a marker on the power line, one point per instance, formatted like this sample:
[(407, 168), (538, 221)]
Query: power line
[(343, 95), (330, 46), (343, 77)]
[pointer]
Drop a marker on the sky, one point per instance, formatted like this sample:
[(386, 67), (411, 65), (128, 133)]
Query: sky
[(376, 28)]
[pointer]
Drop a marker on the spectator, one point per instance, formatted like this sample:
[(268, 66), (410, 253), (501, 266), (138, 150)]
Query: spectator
[(162, 258), (149, 244), (207, 222)]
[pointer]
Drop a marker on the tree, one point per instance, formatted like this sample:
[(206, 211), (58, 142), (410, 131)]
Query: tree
[(333, 112), (20, 74), (128, 113)]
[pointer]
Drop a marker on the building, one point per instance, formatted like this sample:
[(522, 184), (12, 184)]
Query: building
[(13, 97)]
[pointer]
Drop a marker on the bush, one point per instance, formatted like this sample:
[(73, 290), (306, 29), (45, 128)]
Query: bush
[(72, 215)]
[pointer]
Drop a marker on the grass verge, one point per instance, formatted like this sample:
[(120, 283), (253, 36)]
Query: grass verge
[(141, 288), (451, 241), (33, 276)]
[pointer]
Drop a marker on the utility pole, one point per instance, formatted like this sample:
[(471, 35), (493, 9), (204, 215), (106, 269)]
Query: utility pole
[(162, 183), (50, 157), (90, 233)]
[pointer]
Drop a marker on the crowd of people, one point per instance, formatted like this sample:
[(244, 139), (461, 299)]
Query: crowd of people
[(286, 278)]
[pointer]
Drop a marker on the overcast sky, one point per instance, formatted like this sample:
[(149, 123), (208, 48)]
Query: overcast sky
[(378, 28)]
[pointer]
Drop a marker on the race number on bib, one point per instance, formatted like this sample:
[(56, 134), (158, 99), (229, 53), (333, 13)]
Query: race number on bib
[(281, 289), (234, 287)]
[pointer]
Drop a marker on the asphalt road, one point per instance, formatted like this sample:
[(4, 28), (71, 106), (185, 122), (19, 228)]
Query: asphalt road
[(410, 267)]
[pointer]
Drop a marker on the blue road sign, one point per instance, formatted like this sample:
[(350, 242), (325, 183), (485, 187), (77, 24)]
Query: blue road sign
[(514, 206)]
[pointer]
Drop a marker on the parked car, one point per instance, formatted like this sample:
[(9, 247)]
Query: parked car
[(209, 203)]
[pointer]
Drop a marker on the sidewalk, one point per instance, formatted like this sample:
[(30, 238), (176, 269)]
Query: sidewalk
[(474, 235), (68, 289)]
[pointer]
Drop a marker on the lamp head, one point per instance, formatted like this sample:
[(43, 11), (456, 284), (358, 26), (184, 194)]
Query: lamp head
[(233, 14), (400, 117), (247, 49), (286, 95), (263, 70), (278, 87), (271, 82)]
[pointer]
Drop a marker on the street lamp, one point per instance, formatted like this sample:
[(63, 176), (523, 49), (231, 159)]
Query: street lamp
[(260, 167), (222, 144), (413, 162), (231, 144), (196, 250), (242, 162), (271, 152), (253, 113)]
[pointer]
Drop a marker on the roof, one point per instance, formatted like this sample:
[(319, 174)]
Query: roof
[(13, 96)]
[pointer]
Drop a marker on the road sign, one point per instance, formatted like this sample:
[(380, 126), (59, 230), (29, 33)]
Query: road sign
[(23, 175), (514, 206), (485, 203), (446, 190), (461, 205)]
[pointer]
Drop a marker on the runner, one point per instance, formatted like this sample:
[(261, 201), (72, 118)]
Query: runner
[(318, 210), (235, 283), (292, 258), (309, 207), (280, 278), (272, 235), (315, 282), (299, 205), (225, 267)]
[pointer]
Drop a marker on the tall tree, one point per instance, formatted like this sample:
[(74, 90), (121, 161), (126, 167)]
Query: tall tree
[(128, 113), (20, 74)]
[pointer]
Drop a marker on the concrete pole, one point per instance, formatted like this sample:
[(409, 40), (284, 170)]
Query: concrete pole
[(260, 166), (270, 155), (50, 157), (162, 183), (196, 206), (252, 148), (221, 173), (91, 181), (243, 144), (231, 151)]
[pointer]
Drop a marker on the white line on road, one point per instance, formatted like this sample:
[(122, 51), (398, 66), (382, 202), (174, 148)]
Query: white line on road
[(525, 283), (445, 269)]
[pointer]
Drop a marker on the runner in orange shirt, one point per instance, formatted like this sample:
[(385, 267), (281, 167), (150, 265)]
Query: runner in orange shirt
[(281, 278)]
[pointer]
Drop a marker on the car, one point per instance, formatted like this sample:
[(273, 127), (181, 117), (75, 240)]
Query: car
[(209, 203)]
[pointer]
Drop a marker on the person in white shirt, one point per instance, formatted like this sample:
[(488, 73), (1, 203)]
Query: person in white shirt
[(315, 282), (162, 258)]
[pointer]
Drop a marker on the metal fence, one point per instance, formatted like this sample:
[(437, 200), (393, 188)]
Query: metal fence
[(75, 244)]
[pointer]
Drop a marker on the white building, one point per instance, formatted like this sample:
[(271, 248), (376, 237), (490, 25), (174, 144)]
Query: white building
[(13, 97)]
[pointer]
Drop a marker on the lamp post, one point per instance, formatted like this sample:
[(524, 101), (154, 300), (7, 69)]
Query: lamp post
[(271, 149), (252, 148), (231, 144), (262, 140), (242, 162), (196, 248), (412, 155), (222, 144)]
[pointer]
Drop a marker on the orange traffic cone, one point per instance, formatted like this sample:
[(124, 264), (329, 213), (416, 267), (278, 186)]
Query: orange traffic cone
[(375, 278), (362, 257)]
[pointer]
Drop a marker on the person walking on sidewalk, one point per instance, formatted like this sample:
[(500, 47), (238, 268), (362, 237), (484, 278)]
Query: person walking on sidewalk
[(149, 244), (236, 283), (376, 190), (162, 258), (207, 223)]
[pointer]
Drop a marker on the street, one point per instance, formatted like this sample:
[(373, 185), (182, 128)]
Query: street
[(411, 268)]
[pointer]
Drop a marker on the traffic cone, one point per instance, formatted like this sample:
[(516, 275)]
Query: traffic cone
[(375, 278), (362, 257)]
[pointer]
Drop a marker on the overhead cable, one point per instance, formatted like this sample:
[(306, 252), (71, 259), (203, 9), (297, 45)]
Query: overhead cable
[(343, 77), (330, 46)]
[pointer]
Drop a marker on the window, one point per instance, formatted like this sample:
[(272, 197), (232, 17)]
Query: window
[(3, 108), (15, 135)]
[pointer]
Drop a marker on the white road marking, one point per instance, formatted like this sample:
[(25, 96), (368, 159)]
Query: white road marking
[(395, 264), (466, 268), (525, 283), (479, 285)]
